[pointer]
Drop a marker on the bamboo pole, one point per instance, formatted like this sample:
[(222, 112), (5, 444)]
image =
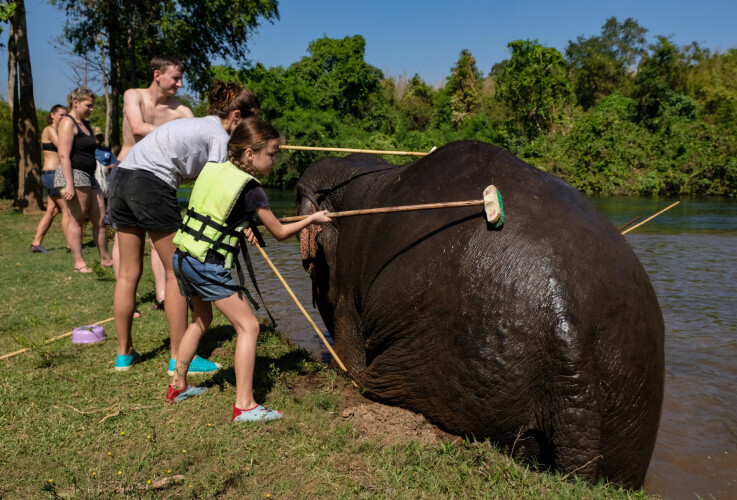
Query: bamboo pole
[(650, 218), (384, 210), (349, 150), (10, 355), (629, 224), (299, 305)]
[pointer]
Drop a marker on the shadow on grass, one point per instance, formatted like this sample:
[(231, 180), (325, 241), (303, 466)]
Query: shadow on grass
[(148, 298), (214, 337), (154, 353), (267, 372)]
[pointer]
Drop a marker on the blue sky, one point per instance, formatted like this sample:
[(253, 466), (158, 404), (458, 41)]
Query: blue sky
[(413, 36)]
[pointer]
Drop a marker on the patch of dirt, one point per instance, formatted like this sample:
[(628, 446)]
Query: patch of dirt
[(223, 352), (389, 424), (393, 425), (6, 206)]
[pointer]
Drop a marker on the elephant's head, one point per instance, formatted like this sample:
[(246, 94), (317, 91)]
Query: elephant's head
[(323, 186)]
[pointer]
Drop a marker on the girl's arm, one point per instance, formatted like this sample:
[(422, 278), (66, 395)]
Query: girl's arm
[(64, 146), (283, 231)]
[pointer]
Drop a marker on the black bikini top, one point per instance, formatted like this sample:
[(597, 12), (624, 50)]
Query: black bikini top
[(49, 146)]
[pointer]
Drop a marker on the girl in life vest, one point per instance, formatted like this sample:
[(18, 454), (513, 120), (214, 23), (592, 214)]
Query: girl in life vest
[(223, 201)]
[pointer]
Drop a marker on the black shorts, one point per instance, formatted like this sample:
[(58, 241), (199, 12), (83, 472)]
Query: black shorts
[(140, 199)]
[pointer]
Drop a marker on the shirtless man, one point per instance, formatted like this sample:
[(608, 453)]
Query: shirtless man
[(146, 109), (143, 111)]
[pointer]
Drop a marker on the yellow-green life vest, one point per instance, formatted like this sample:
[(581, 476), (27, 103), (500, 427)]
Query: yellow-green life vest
[(213, 197)]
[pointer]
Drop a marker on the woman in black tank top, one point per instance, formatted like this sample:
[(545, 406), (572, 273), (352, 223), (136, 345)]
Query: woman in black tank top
[(77, 181)]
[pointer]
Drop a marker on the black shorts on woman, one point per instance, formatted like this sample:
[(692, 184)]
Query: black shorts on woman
[(140, 199)]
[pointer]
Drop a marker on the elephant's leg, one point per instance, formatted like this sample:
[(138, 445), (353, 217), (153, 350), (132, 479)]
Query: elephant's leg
[(575, 409), (576, 437), (349, 340)]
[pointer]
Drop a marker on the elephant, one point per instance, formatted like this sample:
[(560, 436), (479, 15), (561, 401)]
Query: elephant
[(543, 335)]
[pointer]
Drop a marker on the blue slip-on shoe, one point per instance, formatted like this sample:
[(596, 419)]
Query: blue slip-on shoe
[(124, 363), (176, 395), (258, 413), (199, 366)]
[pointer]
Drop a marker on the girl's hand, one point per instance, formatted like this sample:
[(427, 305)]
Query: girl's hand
[(320, 217), (250, 236), (68, 192)]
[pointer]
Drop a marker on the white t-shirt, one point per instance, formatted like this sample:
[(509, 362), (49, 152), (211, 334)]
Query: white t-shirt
[(178, 150)]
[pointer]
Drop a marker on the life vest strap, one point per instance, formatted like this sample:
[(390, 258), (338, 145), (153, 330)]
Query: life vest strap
[(206, 221)]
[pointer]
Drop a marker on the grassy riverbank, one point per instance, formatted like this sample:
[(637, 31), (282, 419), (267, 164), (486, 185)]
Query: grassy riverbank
[(74, 428)]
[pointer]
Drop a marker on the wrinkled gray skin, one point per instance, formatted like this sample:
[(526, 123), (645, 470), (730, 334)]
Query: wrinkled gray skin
[(544, 336)]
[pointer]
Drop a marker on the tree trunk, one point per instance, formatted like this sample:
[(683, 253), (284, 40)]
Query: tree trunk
[(114, 54), (108, 110), (25, 123), (13, 89)]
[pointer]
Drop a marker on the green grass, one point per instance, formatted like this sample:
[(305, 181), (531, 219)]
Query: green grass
[(71, 427)]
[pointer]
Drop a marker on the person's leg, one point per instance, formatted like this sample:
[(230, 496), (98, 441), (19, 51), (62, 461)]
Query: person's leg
[(237, 310), (131, 240), (99, 231), (52, 210), (77, 213), (116, 268), (157, 267), (201, 319), (116, 255), (176, 305), (64, 215)]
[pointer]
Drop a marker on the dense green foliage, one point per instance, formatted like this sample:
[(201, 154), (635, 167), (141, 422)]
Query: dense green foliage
[(612, 115)]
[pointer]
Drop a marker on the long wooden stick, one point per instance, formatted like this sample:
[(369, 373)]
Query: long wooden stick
[(629, 224), (649, 218), (10, 355), (383, 210), (296, 301), (349, 150)]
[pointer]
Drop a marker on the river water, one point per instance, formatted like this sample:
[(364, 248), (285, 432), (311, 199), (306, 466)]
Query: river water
[(690, 253)]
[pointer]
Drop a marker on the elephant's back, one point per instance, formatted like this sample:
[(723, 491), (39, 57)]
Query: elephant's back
[(554, 289)]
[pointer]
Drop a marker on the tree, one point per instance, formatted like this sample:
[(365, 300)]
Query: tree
[(535, 87), (600, 65), (6, 11), (27, 140), (417, 104), (463, 87), (661, 73), (130, 32), (626, 41), (338, 76), (713, 83)]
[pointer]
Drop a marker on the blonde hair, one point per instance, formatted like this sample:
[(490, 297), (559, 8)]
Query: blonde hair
[(80, 94), (227, 97), (253, 134)]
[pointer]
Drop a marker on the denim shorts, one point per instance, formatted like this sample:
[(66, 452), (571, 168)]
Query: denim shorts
[(47, 180), (206, 280), (140, 199)]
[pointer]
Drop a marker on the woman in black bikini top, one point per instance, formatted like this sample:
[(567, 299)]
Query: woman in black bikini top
[(54, 203)]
